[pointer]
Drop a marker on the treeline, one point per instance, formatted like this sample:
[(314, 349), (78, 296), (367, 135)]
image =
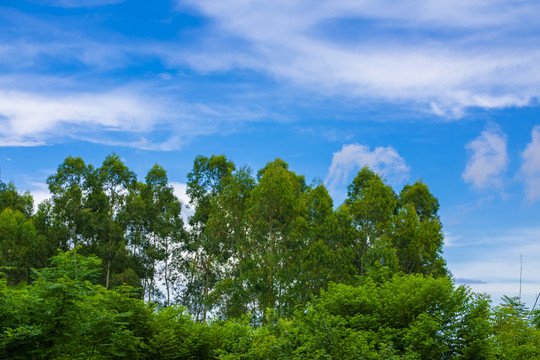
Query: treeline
[(277, 268), (254, 242)]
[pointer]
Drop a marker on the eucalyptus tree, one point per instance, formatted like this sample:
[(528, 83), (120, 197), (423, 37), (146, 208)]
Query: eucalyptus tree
[(418, 235), (230, 223), (371, 204), (274, 209), (205, 183), (163, 223), (111, 183), (69, 194)]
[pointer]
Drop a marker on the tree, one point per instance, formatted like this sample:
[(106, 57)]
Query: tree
[(229, 219), (205, 183), (10, 198), (112, 182), (371, 204), (18, 245), (65, 315), (515, 336), (68, 190), (274, 209), (425, 204), (417, 234), (164, 224)]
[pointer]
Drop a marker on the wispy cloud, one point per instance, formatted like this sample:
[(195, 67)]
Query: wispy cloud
[(530, 167), (488, 159), (496, 268), (137, 116), (31, 119), (447, 55), (384, 160)]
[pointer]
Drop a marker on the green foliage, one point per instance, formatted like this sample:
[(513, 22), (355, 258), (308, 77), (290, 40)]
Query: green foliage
[(268, 269), (64, 315), (407, 317), (19, 245), (515, 336), (11, 198)]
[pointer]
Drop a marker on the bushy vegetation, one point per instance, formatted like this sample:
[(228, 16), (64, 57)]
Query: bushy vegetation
[(267, 268)]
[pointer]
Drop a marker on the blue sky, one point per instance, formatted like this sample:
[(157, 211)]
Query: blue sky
[(443, 91)]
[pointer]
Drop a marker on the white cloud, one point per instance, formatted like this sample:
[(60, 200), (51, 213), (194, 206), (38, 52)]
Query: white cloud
[(351, 47), (442, 57), (132, 116), (498, 265), (30, 119), (180, 192), (40, 192), (530, 167), (488, 159), (383, 160)]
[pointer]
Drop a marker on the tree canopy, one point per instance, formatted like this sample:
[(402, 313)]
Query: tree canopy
[(267, 267)]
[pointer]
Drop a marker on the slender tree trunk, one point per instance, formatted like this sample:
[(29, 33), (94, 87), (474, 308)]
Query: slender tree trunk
[(206, 289), (108, 271), (270, 272), (153, 271), (167, 271)]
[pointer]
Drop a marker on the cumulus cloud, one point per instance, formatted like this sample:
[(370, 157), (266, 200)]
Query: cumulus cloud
[(384, 160), (488, 159), (530, 166)]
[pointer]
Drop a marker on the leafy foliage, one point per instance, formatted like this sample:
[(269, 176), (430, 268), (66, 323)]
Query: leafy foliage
[(268, 268)]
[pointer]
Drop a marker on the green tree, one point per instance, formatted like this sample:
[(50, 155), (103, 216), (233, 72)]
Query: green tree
[(274, 210), (18, 245), (230, 221), (110, 185), (64, 315), (68, 190), (164, 224), (515, 336), (371, 204), (11, 198), (417, 234), (205, 183)]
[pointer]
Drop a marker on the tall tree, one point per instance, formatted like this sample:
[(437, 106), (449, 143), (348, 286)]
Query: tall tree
[(205, 182), (164, 224), (274, 209), (230, 221), (371, 204), (418, 235), (113, 182), (68, 190), (425, 204)]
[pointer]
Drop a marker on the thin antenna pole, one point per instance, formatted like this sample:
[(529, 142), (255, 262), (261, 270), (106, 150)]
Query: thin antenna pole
[(520, 275)]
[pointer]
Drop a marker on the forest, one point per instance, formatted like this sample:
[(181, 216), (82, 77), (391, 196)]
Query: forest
[(265, 267)]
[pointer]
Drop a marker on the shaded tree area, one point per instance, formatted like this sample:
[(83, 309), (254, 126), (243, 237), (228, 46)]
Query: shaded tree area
[(266, 267)]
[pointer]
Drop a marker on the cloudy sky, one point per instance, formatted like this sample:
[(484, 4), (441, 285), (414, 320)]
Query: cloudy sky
[(443, 91)]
